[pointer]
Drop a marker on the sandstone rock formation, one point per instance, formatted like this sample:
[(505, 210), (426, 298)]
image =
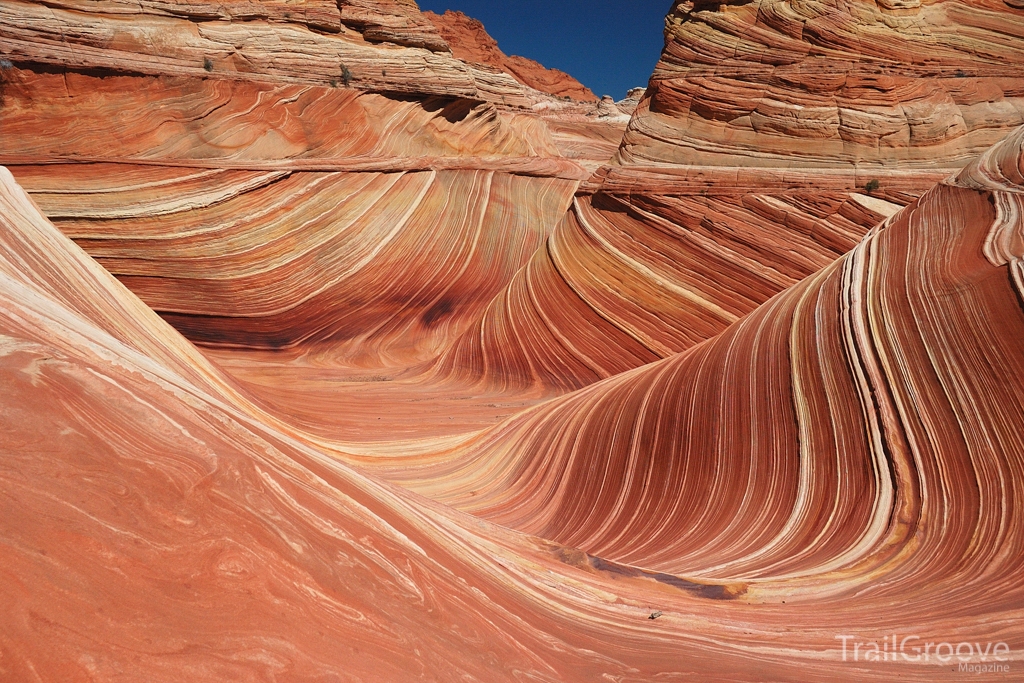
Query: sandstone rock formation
[(631, 276), (715, 217), (470, 41), (608, 108), (855, 440), (248, 550), (371, 45), (784, 83), (631, 101), (155, 521), (392, 21), (391, 376)]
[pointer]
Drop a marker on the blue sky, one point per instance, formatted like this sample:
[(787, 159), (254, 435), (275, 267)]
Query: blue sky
[(608, 45)]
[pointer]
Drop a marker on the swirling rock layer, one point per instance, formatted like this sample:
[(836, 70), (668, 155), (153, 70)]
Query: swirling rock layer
[(299, 269), (627, 279), (850, 438), (439, 403), (154, 522), (856, 481)]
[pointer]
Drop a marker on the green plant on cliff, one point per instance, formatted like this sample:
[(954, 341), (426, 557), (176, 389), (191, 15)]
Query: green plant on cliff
[(207, 63), (346, 75), (872, 185)]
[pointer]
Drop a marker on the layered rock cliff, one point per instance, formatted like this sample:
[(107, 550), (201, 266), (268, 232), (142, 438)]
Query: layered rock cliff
[(742, 172), (775, 83)]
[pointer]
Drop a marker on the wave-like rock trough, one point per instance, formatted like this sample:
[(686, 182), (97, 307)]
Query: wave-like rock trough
[(327, 354)]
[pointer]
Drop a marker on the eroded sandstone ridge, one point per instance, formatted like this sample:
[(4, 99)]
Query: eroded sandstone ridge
[(382, 46), (328, 355), (776, 83), (469, 41)]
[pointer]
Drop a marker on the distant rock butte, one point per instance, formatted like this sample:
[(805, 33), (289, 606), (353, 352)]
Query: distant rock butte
[(632, 100), (470, 41)]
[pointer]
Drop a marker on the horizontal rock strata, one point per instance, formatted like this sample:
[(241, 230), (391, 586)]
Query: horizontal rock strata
[(786, 83)]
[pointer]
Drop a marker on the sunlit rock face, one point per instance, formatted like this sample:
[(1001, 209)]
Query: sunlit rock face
[(391, 21), (326, 354), (384, 46), (779, 83), (470, 41), (632, 100), (299, 269), (152, 505), (657, 261)]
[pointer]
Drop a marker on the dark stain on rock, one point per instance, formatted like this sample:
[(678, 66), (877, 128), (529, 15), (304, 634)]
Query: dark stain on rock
[(443, 307), (710, 591)]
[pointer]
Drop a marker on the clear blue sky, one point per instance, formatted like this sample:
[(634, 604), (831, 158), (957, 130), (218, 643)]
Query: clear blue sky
[(608, 45)]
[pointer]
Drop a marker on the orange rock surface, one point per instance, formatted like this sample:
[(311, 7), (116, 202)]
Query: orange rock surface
[(819, 83), (470, 41), (417, 373)]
